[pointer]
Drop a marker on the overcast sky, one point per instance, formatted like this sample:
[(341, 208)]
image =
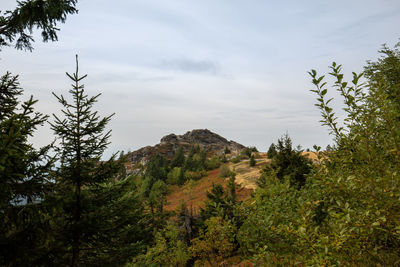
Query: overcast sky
[(238, 68)]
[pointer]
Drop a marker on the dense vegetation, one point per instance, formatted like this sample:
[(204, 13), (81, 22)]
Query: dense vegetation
[(64, 205)]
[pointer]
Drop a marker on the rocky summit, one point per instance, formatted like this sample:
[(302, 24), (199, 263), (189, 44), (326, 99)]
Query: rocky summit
[(207, 140)]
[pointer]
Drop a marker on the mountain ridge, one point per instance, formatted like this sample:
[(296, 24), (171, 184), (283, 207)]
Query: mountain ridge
[(209, 141)]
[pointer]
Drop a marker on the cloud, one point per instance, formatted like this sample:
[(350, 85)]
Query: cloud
[(190, 65)]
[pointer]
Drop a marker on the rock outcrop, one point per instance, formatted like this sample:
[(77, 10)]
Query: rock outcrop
[(207, 140)]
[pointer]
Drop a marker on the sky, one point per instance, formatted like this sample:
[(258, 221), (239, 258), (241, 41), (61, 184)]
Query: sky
[(237, 68)]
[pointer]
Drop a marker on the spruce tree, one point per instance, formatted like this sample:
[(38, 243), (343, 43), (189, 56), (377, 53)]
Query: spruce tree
[(271, 151), (252, 161), (87, 213), (24, 178), (16, 26), (178, 159), (289, 163)]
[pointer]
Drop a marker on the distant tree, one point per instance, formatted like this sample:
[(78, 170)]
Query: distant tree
[(232, 188), (227, 150), (271, 151), (252, 161), (178, 159), (157, 196), (329, 148), (224, 159), (253, 149), (16, 26), (24, 179), (176, 176), (247, 152), (156, 169), (196, 159), (289, 162)]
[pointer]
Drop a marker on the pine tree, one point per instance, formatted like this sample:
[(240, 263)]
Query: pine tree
[(18, 25), (179, 158), (82, 176), (271, 151), (289, 163), (252, 161), (24, 174)]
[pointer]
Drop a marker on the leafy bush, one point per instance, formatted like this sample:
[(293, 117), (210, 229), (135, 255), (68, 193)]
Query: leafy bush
[(347, 213), (215, 243), (190, 175), (212, 163), (176, 176), (169, 250), (225, 171)]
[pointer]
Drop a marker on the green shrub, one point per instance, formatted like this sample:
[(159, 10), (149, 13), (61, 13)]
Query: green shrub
[(176, 176), (212, 163), (347, 213), (191, 175), (225, 171)]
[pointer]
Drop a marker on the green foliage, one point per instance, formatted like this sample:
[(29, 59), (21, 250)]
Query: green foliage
[(215, 243), (24, 179), (86, 204), (169, 250), (157, 196), (221, 202), (347, 213), (267, 229), (119, 223), (247, 152), (176, 176), (196, 159), (17, 25), (271, 151), (156, 169), (252, 161), (225, 171), (288, 163), (213, 163), (236, 159), (190, 175), (179, 159)]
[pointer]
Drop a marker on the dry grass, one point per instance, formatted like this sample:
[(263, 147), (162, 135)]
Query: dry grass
[(195, 193), (247, 176)]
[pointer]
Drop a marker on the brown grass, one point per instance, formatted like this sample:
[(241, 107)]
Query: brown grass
[(194, 193)]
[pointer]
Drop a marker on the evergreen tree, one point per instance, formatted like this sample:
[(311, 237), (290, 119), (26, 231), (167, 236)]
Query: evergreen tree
[(157, 169), (271, 151), (179, 158), (232, 188), (81, 178), (252, 161), (24, 178), (16, 27), (289, 162)]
